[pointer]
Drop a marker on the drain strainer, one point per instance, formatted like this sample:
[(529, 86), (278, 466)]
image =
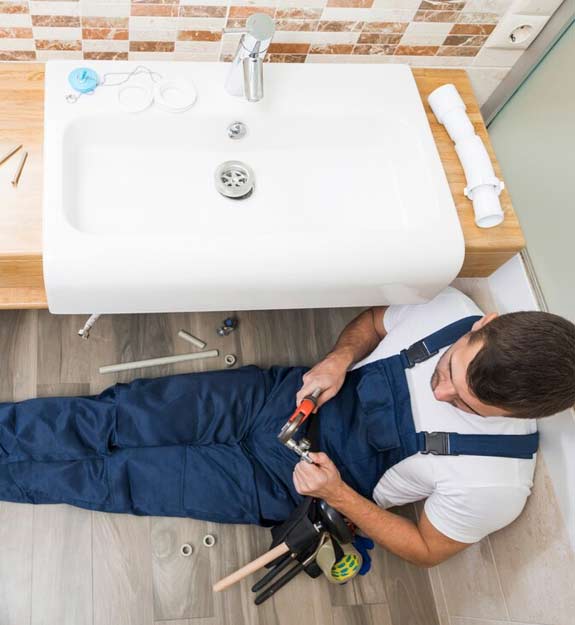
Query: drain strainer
[(235, 180)]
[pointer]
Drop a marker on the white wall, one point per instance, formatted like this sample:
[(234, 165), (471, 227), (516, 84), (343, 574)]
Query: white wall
[(511, 291), (534, 138)]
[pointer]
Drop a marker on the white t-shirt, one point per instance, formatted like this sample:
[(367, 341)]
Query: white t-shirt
[(467, 497)]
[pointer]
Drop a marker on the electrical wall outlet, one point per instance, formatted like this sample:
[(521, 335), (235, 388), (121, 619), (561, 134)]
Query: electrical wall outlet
[(516, 31)]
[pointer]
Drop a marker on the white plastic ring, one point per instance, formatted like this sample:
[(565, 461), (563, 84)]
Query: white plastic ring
[(135, 97), (230, 360), (209, 540), (186, 550), (175, 96)]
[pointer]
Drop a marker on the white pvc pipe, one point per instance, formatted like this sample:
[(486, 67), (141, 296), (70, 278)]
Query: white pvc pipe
[(194, 340), (152, 362), (483, 186)]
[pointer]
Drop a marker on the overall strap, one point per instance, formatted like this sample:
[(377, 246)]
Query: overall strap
[(451, 443), (430, 345), (501, 445)]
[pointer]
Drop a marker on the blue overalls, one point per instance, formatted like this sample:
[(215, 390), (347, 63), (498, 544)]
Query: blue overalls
[(205, 445)]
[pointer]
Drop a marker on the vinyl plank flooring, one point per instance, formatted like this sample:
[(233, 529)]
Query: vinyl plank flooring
[(182, 585), (63, 356), (136, 576), (122, 570), (17, 381), (375, 614), (407, 586), (16, 526), (62, 566), (18, 340)]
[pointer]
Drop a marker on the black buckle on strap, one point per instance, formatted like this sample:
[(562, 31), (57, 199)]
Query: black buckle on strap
[(417, 353), (436, 443)]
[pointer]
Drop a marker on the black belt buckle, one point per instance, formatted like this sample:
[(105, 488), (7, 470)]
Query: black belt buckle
[(436, 443), (417, 353)]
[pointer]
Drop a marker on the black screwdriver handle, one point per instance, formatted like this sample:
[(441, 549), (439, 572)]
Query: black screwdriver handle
[(280, 583), (278, 568)]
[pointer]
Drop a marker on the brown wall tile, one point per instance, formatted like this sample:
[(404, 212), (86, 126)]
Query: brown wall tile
[(152, 46), (297, 25), (199, 35), (432, 5), (375, 49), (417, 50), (331, 48), (16, 33), (56, 20), (57, 44), (385, 27), (472, 29), (106, 56), (334, 26), (298, 14), (457, 51), (245, 11), (286, 58), (17, 55), (115, 34), (203, 11), (13, 7), (288, 48), (154, 10), (358, 4), (105, 22), (465, 40), (379, 38)]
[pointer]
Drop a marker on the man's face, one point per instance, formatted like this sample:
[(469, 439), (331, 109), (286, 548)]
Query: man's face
[(449, 380)]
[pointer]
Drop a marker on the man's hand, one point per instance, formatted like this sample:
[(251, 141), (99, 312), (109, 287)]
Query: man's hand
[(321, 479), (328, 375)]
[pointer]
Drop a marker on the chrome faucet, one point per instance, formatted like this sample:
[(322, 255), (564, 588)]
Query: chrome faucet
[(246, 75)]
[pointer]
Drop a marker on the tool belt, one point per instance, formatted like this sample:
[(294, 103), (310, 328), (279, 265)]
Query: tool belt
[(319, 541)]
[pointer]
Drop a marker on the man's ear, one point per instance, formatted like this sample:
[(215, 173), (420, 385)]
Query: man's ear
[(484, 321)]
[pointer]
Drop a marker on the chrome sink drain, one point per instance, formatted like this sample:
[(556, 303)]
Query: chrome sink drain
[(235, 180)]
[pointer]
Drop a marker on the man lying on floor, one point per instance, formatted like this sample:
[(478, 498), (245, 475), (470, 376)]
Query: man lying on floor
[(205, 445)]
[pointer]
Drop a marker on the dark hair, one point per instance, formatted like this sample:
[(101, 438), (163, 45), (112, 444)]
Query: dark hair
[(526, 365)]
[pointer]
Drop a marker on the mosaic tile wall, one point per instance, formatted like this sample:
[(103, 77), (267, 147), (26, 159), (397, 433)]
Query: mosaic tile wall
[(442, 33)]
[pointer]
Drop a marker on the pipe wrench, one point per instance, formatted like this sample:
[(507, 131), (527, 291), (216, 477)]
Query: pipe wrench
[(292, 425)]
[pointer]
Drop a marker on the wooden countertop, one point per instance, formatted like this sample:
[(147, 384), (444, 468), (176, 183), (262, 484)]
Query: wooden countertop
[(22, 118)]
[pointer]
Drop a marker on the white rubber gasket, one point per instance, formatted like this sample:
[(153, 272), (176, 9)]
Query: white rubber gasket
[(209, 540), (135, 97), (175, 96), (230, 360), (186, 550)]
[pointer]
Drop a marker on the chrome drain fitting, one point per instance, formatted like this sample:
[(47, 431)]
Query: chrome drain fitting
[(235, 180)]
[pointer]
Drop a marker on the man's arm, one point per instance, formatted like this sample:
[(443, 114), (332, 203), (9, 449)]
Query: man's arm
[(359, 338), (420, 544)]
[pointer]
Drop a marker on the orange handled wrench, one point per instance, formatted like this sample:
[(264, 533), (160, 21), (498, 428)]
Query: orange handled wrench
[(292, 425)]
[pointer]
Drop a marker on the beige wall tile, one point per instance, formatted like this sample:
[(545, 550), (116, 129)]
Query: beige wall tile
[(535, 560)]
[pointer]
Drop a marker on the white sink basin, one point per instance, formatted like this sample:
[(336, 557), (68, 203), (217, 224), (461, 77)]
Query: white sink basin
[(350, 207)]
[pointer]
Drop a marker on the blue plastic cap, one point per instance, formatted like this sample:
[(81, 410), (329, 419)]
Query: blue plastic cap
[(83, 79)]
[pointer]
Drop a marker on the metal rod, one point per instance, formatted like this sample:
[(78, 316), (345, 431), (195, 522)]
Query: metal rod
[(194, 340), (10, 153), (163, 360), (18, 173)]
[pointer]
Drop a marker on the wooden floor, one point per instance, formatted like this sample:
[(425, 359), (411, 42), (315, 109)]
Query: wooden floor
[(65, 566)]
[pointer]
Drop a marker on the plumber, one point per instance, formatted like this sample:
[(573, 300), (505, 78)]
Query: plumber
[(435, 403)]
